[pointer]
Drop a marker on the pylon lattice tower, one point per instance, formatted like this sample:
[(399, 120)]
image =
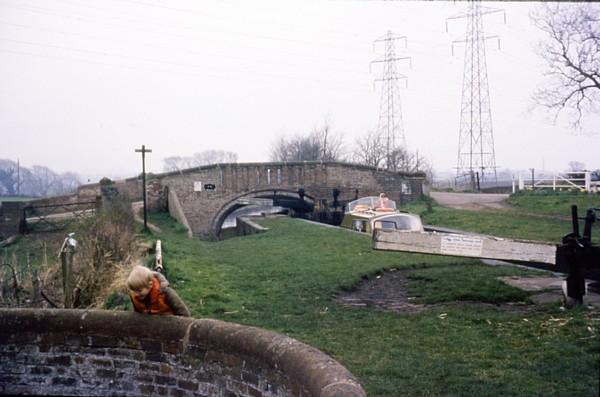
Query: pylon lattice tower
[(390, 125), (476, 154)]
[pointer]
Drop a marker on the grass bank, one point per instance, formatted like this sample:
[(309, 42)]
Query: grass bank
[(284, 280), (553, 203), (530, 216)]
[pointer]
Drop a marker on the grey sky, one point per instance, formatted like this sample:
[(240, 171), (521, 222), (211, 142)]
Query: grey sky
[(87, 82)]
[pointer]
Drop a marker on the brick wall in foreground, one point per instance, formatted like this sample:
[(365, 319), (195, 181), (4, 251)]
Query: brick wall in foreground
[(78, 352)]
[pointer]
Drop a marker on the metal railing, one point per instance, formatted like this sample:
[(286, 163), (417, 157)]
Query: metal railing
[(568, 181)]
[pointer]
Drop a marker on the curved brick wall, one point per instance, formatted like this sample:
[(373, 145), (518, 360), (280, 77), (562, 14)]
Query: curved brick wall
[(78, 352)]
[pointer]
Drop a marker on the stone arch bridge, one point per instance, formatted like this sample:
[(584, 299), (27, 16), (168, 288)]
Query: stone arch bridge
[(201, 198)]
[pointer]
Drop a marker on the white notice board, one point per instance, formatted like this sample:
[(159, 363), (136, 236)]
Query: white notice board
[(461, 245)]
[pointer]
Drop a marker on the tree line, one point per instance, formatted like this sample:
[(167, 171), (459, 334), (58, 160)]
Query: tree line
[(37, 181), (178, 163), (321, 144), (325, 144)]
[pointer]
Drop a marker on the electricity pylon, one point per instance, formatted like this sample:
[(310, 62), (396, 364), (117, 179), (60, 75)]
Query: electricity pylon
[(390, 125), (476, 155)]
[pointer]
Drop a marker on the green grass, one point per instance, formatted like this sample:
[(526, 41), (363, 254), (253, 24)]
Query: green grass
[(476, 283), (518, 223), (554, 203), (284, 280)]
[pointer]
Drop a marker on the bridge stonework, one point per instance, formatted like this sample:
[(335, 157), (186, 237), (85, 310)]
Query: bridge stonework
[(203, 210)]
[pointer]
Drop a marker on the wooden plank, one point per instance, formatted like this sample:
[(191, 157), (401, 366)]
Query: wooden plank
[(472, 246)]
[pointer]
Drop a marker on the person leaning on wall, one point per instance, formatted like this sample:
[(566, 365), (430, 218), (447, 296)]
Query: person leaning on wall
[(150, 293)]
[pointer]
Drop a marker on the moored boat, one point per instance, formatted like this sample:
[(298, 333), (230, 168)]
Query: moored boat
[(368, 213)]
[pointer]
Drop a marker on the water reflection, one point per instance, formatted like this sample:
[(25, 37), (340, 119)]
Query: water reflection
[(251, 210)]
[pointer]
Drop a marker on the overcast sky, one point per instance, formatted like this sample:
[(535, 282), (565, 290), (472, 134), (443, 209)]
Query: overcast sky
[(86, 82)]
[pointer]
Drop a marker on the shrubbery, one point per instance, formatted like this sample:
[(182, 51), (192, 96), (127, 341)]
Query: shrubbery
[(105, 249), (106, 243)]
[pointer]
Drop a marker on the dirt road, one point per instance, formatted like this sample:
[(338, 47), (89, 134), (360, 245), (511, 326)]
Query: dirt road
[(471, 201)]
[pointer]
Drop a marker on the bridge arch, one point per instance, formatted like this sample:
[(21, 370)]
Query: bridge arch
[(246, 199)]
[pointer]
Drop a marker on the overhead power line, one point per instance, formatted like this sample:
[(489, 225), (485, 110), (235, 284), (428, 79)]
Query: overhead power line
[(476, 154), (390, 124), (155, 28)]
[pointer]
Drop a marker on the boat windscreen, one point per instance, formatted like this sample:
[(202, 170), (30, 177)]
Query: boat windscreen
[(370, 203)]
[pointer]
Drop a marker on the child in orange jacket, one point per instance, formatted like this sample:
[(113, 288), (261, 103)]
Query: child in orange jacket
[(150, 293)]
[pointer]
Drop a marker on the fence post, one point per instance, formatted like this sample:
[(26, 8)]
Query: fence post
[(521, 182), (66, 256), (588, 181), (158, 266), (98, 204)]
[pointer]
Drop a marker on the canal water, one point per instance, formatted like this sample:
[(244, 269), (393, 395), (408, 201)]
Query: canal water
[(251, 210)]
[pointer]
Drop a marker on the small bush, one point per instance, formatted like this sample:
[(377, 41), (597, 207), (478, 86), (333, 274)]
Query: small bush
[(106, 243)]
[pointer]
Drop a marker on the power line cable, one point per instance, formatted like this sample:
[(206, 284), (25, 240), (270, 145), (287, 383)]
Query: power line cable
[(186, 37), (153, 30), (155, 46), (322, 83)]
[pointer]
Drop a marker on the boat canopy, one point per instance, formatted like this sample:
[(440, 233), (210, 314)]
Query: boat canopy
[(370, 203)]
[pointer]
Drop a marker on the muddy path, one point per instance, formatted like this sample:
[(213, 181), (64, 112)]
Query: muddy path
[(472, 201)]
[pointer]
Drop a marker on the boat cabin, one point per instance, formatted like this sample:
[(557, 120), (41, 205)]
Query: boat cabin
[(368, 213)]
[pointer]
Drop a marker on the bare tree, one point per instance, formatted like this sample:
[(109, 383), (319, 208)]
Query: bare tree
[(572, 55), (280, 150), (176, 163), (9, 179), (214, 157), (370, 149), (44, 181), (69, 182), (576, 166), (321, 144), (298, 148), (172, 163), (331, 143), (37, 181)]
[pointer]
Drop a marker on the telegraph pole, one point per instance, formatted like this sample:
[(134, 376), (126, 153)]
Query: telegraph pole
[(143, 150)]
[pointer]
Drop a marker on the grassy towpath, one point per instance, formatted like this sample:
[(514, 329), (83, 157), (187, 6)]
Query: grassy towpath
[(285, 280)]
